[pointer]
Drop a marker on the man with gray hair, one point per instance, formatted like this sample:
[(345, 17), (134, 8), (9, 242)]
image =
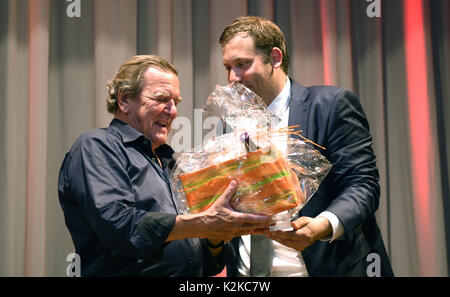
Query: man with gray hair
[(116, 196)]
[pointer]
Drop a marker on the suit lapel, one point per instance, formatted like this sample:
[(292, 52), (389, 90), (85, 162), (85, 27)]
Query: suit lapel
[(299, 107)]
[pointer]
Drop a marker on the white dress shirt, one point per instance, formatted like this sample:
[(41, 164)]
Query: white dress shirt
[(285, 260)]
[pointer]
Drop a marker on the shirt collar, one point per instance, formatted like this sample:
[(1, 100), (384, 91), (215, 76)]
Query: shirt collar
[(280, 104), (128, 134)]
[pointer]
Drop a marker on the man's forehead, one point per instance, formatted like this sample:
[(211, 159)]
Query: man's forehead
[(153, 73), (240, 48), (240, 40), (157, 78)]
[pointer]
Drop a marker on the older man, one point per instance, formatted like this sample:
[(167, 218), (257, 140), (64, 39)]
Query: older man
[(116, 196)]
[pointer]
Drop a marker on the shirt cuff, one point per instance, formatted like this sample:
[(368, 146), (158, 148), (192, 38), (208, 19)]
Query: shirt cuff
[(152, 232), (336, 225)]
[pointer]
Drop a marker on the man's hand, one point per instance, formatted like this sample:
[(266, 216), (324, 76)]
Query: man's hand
[(306, 231), (220, 221)]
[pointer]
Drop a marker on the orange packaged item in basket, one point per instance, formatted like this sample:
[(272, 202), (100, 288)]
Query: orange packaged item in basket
[(266, 184)]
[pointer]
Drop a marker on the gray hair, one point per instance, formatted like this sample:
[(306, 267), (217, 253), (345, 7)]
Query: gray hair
[(129, 79)]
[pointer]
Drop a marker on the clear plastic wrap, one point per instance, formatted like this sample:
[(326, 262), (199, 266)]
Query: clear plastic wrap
[(239, 107), (275, 173)]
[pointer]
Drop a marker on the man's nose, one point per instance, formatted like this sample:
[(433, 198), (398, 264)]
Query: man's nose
[(234, 76), (171, 108)]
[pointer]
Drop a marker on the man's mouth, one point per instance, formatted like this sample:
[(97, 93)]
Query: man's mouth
[(162, 124)]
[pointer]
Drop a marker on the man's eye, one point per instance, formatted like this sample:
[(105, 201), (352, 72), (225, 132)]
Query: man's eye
[(167, 100), (243, 65), (162, 101)]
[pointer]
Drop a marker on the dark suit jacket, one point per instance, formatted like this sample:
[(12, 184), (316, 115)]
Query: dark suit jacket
[(333, 118)]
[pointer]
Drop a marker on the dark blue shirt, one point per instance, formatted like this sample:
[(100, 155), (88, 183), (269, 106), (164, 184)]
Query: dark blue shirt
[(119, 208)]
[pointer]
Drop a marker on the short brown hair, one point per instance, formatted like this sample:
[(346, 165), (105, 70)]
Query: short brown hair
[(265, 33), (129, 79)]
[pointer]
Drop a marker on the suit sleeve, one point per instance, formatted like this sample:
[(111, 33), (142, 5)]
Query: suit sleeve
[(354, 163)]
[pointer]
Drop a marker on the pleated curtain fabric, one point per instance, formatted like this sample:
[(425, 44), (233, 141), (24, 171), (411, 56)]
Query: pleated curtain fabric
[(46, 107)]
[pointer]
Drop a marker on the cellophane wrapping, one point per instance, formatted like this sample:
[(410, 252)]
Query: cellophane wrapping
[(275, 173)]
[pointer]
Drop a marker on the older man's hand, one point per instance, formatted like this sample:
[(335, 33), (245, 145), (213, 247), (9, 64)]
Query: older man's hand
[(220, 221)]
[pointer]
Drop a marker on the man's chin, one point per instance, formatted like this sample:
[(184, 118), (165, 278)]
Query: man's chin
[(158, 140), (251, 88)]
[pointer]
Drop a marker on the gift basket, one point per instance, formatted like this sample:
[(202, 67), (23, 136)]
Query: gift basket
[(276, 174)]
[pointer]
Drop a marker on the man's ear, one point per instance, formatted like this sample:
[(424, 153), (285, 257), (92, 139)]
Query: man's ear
[(276, 57), (122, 102)]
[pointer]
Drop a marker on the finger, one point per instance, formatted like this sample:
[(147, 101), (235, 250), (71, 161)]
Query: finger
[(296, 244), (260, 231), (229, 191), (246, 231), (231, 187), (300, 222), (290, 243), (252, 220), (282, 235), (242, 232)]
